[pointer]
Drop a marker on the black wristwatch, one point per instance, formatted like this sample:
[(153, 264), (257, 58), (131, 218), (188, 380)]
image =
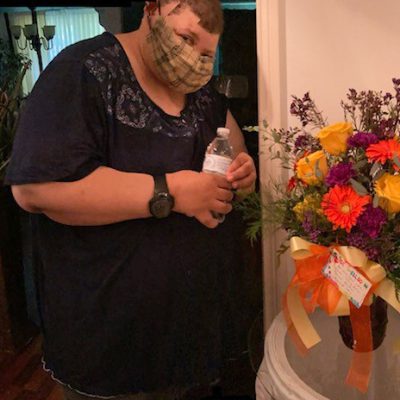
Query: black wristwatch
[(162, 202)]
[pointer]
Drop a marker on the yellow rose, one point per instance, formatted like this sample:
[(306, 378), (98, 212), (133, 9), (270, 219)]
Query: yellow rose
[(333, 138), (387, 187), (313, 168)]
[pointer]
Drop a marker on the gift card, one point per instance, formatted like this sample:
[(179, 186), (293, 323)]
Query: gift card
[(346, 278)]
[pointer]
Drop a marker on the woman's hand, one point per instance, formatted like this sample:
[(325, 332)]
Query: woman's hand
[(242, 174), (198, 193)]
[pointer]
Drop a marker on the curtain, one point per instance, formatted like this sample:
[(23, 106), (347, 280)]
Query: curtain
[(72, 25)]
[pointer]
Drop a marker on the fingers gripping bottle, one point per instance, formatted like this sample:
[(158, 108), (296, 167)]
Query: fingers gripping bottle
[(218, 158)]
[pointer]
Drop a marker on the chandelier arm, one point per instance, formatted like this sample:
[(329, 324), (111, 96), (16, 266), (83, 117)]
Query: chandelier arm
[(45, 43), (24, 47)]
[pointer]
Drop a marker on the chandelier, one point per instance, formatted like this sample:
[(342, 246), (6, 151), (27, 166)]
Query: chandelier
[(32, 38)]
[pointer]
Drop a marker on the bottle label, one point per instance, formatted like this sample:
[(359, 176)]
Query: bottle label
[(216, 164)]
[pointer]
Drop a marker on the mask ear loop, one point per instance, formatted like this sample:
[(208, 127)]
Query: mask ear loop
[(157, 5), (152, 6), (179, 5)]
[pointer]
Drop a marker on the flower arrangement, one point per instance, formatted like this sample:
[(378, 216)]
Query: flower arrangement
[(342, 200)]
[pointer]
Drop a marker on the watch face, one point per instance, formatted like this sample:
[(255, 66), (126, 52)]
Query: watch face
[(161, 206)]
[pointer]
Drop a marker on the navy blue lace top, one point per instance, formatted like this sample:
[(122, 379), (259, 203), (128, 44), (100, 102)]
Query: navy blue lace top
[(142, 304)]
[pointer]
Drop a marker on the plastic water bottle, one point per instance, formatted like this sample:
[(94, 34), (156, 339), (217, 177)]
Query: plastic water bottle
[(218, 158)]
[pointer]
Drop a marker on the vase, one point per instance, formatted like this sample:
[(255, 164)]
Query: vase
[(379, 320)]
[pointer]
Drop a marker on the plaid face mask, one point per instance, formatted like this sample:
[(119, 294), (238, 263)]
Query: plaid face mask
[(177, 63)]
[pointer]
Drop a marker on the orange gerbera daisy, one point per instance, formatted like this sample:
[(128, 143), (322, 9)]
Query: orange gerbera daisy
[(383, 150), (342, 206)]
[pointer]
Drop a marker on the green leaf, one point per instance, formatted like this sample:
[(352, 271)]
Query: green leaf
[(375, 201), (4, 164), (275, 135), (391, 216), (250, 128), (361, 164), (379, 174), (375, 169), (396, 160), (358, 187), (317, 171), (280, 252)]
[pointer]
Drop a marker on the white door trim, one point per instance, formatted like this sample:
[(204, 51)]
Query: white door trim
[(271, 59)]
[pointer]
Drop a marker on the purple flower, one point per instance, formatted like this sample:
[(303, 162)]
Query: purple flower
[(357, 239), (305, 143), (387, 97), (393, 267), (302, 141), (371, 221), (301, 108), (340, 174), (396, 81), (309, 226), (362, 139), (372, 253), (363, 242)]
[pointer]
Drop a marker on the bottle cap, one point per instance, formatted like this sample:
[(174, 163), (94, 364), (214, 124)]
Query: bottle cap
[(224, 132)]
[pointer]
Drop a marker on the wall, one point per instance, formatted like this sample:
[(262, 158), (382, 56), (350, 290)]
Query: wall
[(333, 45), (324, 47), (110, 18)]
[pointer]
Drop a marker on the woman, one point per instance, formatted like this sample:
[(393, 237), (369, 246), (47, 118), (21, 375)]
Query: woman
[(136, 277)]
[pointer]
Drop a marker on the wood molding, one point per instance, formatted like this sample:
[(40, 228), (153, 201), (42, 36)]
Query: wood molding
[(272, 109)]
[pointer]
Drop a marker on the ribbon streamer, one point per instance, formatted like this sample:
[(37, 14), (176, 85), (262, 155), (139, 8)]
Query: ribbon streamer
[(310, 289)]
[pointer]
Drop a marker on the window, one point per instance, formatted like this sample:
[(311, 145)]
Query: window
[(72, 25)]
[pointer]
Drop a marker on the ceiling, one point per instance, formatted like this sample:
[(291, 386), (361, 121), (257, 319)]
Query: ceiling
[(234, 3)]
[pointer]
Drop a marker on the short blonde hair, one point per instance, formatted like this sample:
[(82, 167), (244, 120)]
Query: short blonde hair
[(209, 11)]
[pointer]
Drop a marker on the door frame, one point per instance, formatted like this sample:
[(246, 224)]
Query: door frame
[(272, 100)]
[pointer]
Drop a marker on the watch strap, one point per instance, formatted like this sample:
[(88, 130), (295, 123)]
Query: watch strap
[(160, 184)]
